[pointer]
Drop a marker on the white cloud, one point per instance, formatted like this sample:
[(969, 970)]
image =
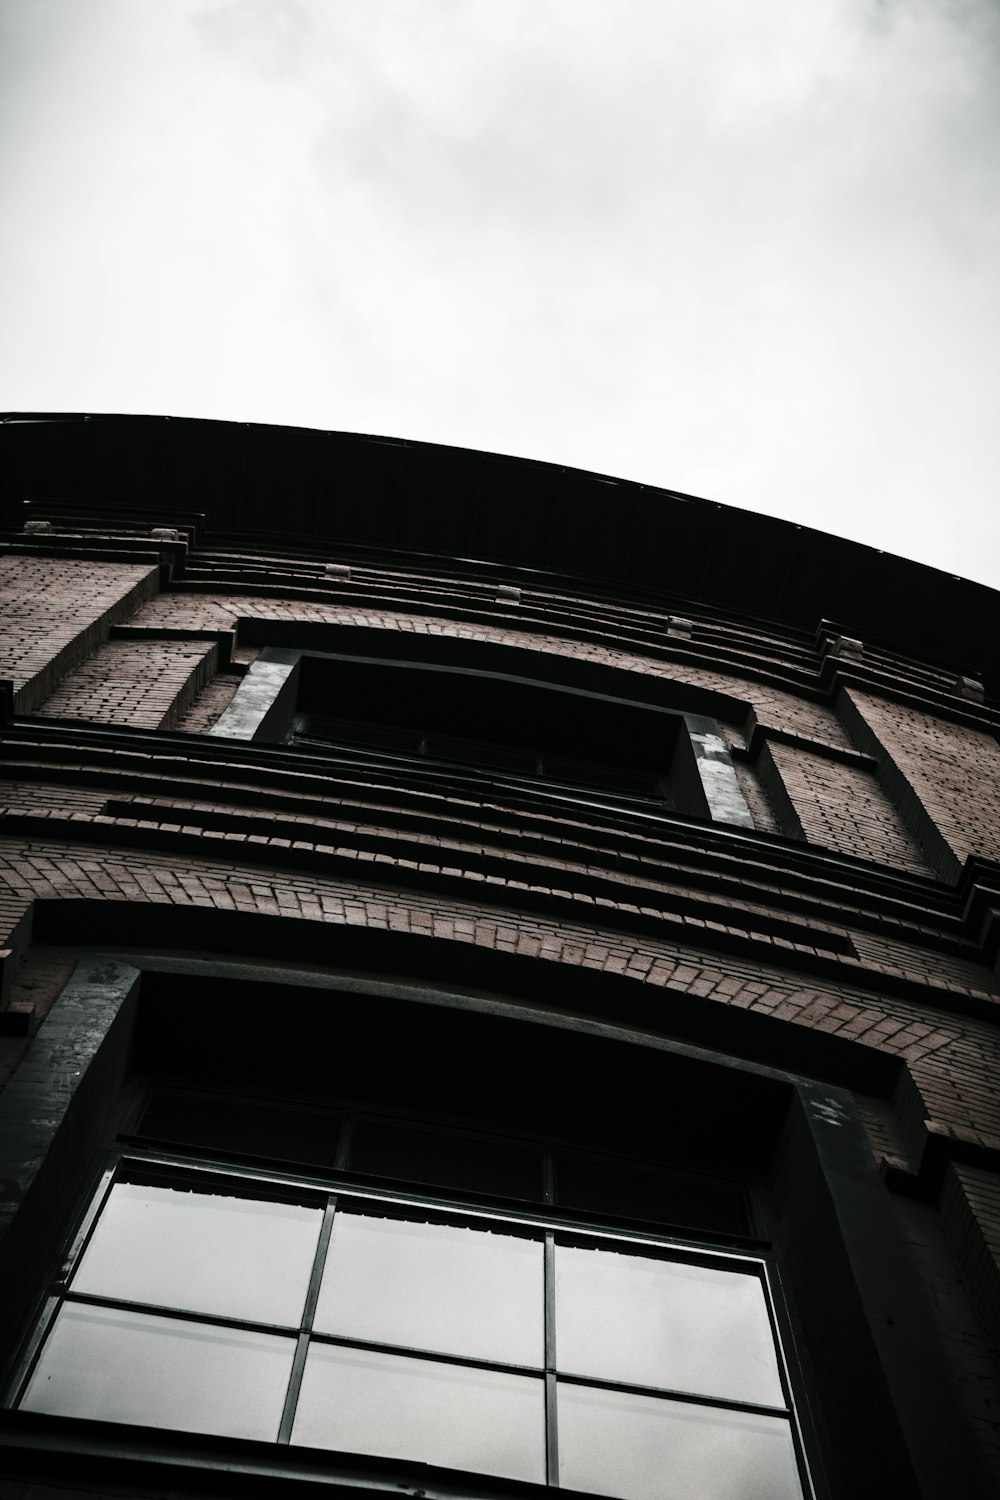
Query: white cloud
[(743, 251)]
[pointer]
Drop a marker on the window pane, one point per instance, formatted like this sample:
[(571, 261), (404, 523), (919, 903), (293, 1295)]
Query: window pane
[(447, 1159), (113, 1366), (359, 1402), (663, 1323), (643, 1448), (434, 1286), (234, 1257)]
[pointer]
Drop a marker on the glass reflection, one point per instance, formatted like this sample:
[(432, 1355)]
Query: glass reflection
[(489, 1421), (434, 1286), (113, 1366), (663, 1323), (644, 1448), (205, 1252)]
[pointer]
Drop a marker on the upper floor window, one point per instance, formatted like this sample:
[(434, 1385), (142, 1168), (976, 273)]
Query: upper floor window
[(588, 738), (486, 722)]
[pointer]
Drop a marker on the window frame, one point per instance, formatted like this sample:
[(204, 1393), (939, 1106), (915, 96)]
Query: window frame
[(697, 778), (332, 1191)]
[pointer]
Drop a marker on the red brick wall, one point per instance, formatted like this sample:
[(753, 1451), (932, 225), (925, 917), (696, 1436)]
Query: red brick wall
[(924, 811), (949, 1055), (55, 612), (839, 806), (944, 777), (147, 684), (772, 706)]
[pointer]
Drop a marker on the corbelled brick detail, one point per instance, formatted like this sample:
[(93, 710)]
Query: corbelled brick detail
[(839, 806), (147, 684), (944, 777), (772, 707), (56, 612)]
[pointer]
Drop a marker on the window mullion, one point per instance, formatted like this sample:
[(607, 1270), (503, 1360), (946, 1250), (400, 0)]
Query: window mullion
[(551, 1420), (308, 1313)]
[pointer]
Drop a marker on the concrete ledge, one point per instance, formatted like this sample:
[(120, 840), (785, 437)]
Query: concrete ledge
[(264, 701)]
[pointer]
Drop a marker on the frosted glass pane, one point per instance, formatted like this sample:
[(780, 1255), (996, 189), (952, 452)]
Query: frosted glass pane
[(434, 1286), (359, 1402), (234, 1257), (642, 1448), (113, 1366), (661, 1323)]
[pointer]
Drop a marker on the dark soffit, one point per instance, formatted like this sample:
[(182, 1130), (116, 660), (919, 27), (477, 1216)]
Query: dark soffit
[(334, 489)]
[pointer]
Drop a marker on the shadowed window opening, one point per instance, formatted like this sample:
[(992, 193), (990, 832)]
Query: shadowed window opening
[(488, 722)]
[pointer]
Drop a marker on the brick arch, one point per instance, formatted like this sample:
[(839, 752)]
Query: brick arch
[(837, 1031), (577, 977)]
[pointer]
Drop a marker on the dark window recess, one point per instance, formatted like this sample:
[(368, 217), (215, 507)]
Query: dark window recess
[(613, 1189), (412, 1150), (492, 723), (243, 1127), (469, 1163)]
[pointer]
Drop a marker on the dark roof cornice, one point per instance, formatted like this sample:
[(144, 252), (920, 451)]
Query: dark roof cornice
[(348, 493)]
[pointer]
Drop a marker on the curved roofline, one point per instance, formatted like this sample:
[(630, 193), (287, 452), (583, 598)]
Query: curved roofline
[(345, 491)]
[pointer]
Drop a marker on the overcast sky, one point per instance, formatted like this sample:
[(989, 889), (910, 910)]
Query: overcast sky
[(748, 249)]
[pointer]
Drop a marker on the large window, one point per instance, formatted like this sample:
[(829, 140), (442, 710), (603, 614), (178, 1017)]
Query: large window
[(507, 1332), (493, 723)]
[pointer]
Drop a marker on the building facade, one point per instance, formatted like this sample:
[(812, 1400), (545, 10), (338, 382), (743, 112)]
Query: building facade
[(499, 983)]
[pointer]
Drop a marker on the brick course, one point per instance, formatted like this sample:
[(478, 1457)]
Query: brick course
[(944, 777), (55, 612), (947, 1055), (146, 684)]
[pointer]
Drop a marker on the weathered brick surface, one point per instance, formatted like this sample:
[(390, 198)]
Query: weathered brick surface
[(751, 784), (148, 684), (839, 806), (471, 843), (944, 777), (948, 1055), (768, 707), (55, 612), (208, 705), (772, 706)]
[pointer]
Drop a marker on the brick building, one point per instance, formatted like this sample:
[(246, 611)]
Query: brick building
[(499, 983)]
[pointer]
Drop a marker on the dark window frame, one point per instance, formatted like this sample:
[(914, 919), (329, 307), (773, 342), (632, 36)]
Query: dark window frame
[(822, 1194), (333, 1191)]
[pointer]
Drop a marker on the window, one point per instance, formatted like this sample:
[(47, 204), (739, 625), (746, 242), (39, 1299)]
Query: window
[(512, 1335), (478, 714), (487, 723)]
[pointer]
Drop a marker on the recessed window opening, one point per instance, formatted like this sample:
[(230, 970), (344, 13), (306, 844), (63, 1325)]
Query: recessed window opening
[(486, 721), (540, 1266), (371, 1142)]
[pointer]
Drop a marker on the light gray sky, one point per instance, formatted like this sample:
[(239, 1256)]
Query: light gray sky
[(748, 250)]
